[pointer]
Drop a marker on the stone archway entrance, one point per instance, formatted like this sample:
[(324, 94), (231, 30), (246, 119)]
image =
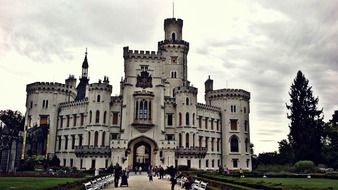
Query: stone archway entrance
[(142, 152)]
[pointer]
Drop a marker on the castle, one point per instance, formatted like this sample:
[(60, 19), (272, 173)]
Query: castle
[(155, 120)]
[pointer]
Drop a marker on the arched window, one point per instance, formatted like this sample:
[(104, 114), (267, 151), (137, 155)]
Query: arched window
[(173, 37), (180, 119), (88, 137), (187, 140), (90, 116), (136, 111), (66, 142), (246, 145), (193, 119), (145, 109), (234, 144), (104, 117), (187, 101), (149, 110), (141, 110), (103, 138), (187, 118), (96, 138), (98, 99), (180, 140), (97, 116)]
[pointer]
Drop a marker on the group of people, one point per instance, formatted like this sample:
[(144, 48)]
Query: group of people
[(155, 172)]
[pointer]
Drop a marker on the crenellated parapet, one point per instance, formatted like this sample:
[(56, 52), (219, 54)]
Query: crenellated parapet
[(185, 89), (103, 86), (51, 87), (229, 93), (170, 21), (207, 107), (173, 44), (169, 100), (74, 103), (141, 54), (116, 99)]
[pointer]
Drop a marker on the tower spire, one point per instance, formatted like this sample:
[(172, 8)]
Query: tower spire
[(85, 61), (173, 9)]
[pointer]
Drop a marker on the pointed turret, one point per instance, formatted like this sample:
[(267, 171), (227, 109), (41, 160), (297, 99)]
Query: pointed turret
[(81, 88)]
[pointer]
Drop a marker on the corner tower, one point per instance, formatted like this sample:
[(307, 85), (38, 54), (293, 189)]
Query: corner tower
[(175, 51)]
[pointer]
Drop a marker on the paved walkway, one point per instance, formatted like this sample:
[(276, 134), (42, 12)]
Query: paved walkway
[(141, 182)]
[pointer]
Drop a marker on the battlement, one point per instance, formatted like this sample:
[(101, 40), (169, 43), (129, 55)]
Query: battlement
[(208, 107), (185, 89), (74, 103), (116, 99), (229, 93), (169, 100), (100, 86), (50, 87), (175, 21), (173, 43), (141, 54)]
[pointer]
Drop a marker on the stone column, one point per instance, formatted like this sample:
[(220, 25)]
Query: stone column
[(99, 139), (191, 139), (183, 139)]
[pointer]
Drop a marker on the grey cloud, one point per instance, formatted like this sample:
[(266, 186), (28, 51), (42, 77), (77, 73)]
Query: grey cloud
[(48, 29)]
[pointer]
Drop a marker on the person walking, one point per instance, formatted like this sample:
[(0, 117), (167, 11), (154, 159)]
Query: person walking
[(150, 173), (140, 170), (173, 182), (117, 174)]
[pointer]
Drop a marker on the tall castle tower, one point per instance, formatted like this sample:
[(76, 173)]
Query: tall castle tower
[(175, 51)]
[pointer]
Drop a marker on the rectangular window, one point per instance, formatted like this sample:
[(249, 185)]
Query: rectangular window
[(206, 142), (170, 119), (59, 145), (71, 162), (66, 142), (235, 163), (82, 119), (246, 125), (115, 118), (80, 140), (81, 163), (74, 120), (217, 125), (207, 163), (67, 120), (212, 163), (31, 105), (73, 141), (93, 164), (247, 163), (218, 145), (43, 119), (212, 144), (106, 164), (64, 162), (61, 121), (170, 137), (114, 136), (200, 121), (212, 124), (199, 164), (233, 124), (206, 122)]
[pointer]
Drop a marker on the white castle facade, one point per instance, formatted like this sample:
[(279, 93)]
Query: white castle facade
[(156, 113)]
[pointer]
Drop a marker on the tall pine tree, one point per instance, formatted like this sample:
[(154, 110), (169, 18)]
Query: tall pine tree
[(306, 126)]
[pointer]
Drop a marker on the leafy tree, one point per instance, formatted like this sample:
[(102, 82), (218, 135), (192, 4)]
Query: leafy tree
[(14, 122), (330, 148), (306, 126), (286, 155)]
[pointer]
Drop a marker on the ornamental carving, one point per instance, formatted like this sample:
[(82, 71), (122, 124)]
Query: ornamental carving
[(144, 80)]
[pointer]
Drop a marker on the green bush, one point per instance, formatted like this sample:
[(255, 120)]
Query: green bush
[(304, 166)]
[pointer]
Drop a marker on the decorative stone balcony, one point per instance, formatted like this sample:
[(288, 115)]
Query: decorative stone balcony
[(191, 151), (86, 150)]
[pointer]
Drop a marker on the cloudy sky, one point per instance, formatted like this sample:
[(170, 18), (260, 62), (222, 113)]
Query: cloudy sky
[(255, 45)]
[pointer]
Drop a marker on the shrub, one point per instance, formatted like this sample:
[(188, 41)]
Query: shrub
[(304, 166)]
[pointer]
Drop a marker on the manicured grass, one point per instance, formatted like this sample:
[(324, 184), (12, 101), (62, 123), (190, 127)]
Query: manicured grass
[(292, 183), (32, 183)]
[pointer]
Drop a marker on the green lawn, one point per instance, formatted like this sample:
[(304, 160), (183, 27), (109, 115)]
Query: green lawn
[(295, 183), (32, 183)]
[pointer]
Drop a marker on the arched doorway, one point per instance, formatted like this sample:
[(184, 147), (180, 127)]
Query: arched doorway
[(142, 155), (142, 152)]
